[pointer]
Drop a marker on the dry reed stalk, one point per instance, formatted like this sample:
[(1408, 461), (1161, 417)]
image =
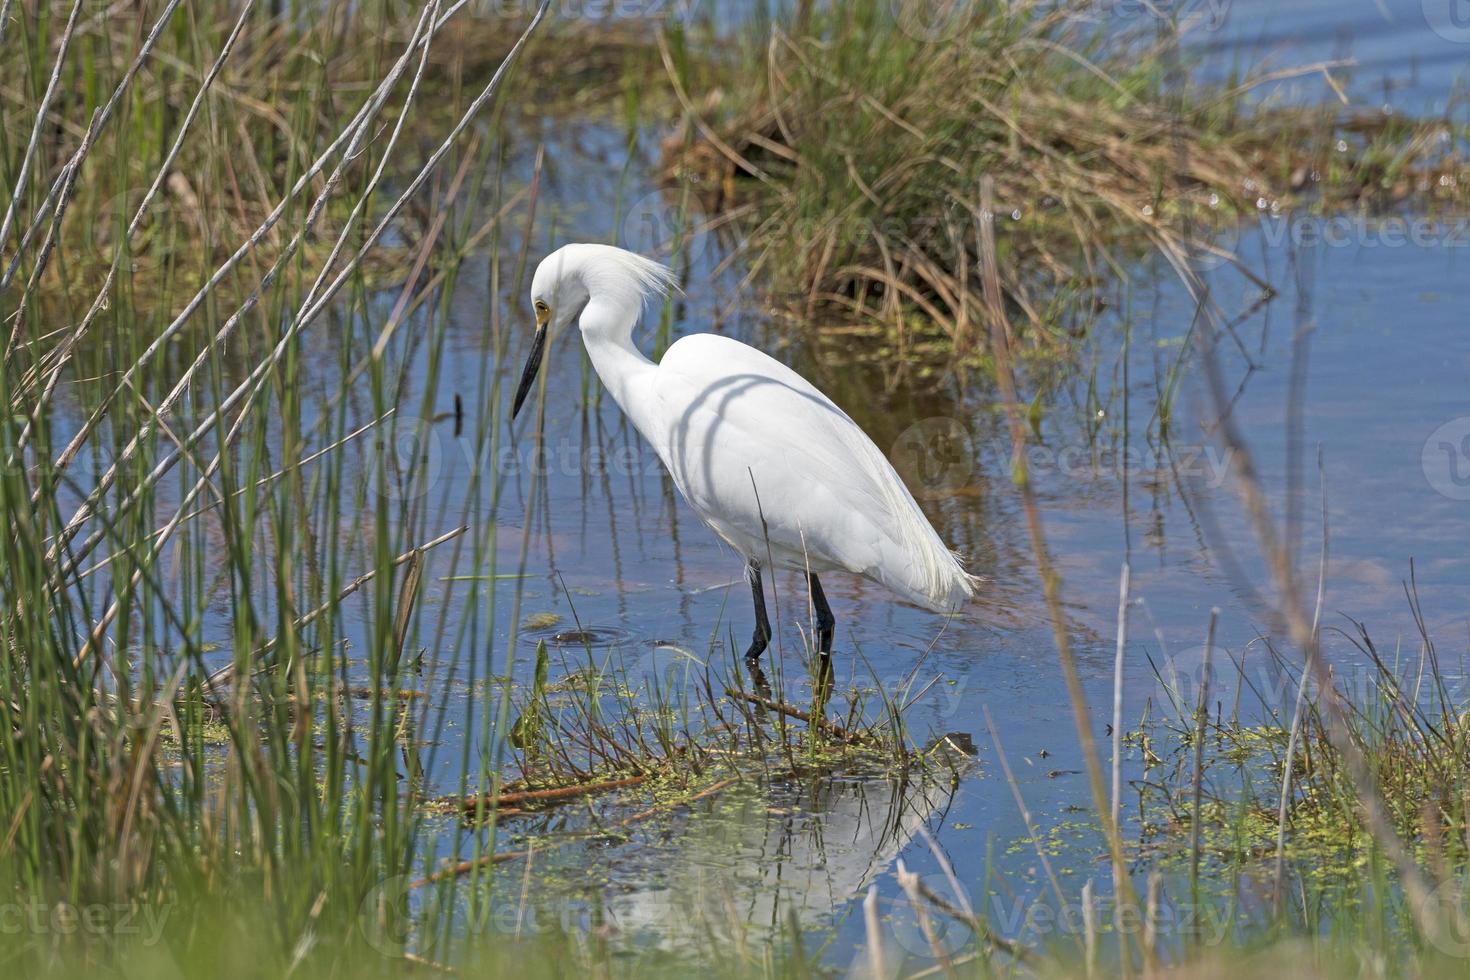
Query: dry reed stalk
[(911, 885), (1000, 346)]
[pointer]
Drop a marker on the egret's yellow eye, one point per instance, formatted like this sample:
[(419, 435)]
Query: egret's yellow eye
[(541, 310)]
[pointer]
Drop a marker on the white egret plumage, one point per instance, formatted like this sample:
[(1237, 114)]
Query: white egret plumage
[(776, 469)]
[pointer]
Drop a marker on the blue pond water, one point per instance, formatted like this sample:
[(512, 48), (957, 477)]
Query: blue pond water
[(605, 556)]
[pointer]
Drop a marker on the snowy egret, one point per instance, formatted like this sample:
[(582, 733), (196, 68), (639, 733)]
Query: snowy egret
[(777, 470)]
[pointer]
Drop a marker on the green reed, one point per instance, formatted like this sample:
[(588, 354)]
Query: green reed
[(203, 395)]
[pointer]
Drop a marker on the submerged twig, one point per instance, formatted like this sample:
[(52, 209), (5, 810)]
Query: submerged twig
[(781, 707), (555, 794)]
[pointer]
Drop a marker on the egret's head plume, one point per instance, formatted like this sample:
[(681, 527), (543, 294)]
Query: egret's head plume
[(569, 278)]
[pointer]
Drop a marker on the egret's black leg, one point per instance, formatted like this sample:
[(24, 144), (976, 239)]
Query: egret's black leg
[(826, 626), (762, 637), (826, 622)]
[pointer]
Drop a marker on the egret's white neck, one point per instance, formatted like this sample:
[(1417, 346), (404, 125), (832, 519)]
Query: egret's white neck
[(607, 330)]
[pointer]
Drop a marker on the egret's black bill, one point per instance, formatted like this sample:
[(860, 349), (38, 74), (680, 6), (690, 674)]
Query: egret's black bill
[(528, 376)]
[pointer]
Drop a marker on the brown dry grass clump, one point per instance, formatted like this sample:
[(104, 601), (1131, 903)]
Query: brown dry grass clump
[(847, 156)]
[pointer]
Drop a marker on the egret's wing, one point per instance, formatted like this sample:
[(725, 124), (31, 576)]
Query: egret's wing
[(748, 440), (757, 450)]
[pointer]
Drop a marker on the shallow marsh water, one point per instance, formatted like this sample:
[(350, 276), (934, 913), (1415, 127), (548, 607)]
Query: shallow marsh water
[(613, 550), (595, 551)]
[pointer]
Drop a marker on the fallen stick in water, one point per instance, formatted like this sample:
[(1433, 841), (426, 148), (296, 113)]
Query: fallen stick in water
[(781, 707), (551, 795)]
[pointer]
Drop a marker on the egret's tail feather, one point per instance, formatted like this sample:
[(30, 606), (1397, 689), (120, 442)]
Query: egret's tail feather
[(921, 567), (935, 576), (949, 596), (962, 587)]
